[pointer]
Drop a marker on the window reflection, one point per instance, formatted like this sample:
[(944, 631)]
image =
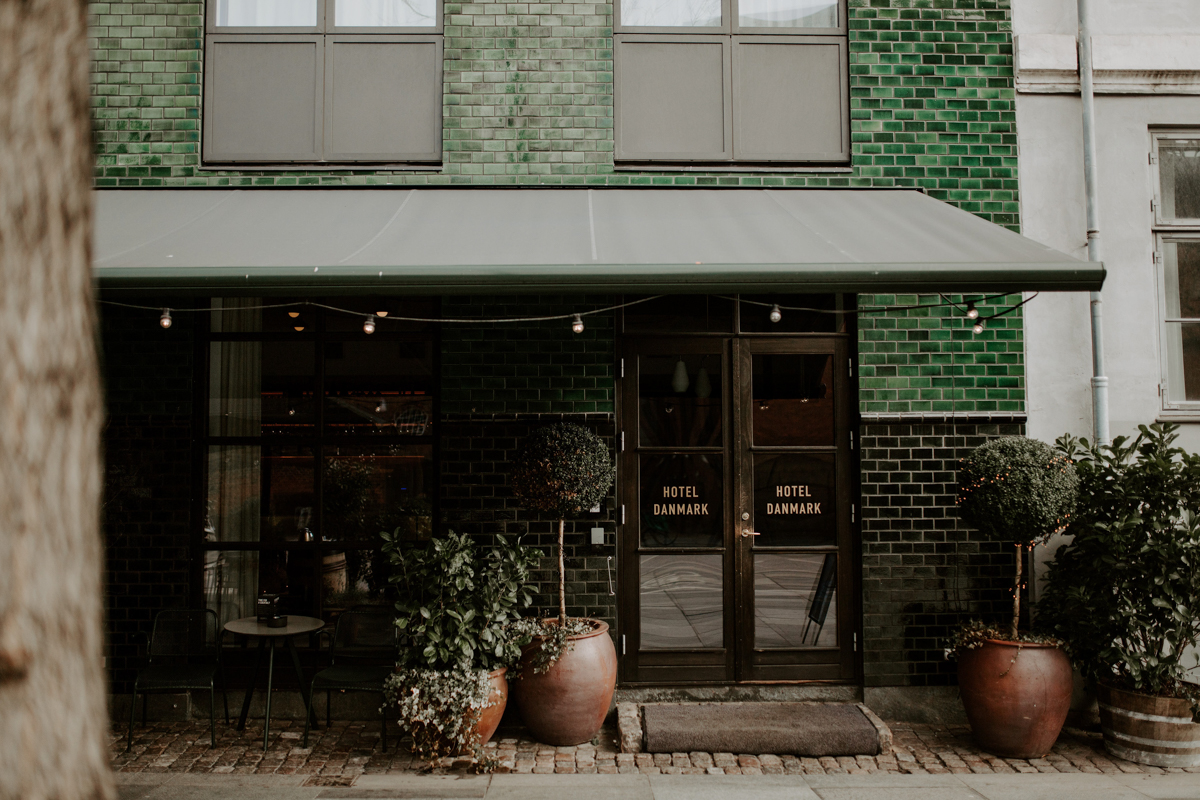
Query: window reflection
[(379, 387), (386, 13), (788, 13), (1182, 271), (267, 13), (681, 500), (793, 399), (671, 13), (795, 600), (794, 500), (681, 603), (680, 401), (365, 491), (1179, 172)]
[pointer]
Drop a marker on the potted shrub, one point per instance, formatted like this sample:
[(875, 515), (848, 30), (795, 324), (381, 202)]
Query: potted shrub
[(1016, 688), (456, 603), (1124, 594), (569, 670)]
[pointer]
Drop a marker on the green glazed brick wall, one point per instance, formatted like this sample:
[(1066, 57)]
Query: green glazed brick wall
[(528, 101)]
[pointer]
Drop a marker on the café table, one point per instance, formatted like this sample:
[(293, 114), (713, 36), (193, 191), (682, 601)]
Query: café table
[(267, 637)]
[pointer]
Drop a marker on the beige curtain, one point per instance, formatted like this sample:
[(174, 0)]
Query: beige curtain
[(234, 470)]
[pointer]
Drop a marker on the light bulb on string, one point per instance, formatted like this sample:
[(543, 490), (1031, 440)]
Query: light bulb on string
[(775, 314), (977, 327), (972, 312), (165, 320), (369, 324), (577, 324)]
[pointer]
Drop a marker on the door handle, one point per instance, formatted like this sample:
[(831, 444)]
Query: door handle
[(746, 532)]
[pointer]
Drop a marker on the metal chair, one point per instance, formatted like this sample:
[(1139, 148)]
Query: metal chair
[(361, 656), (184, 654)]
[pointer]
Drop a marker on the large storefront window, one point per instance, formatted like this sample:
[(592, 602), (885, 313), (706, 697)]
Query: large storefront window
[(319, 436)]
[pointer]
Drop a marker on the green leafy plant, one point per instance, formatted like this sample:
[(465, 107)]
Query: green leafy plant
[(562, 469), (1016, 490), (457, 602), (550, 639), (1125, 592)]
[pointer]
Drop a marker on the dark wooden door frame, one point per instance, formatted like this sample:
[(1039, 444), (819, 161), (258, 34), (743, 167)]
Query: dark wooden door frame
[(738, 662)]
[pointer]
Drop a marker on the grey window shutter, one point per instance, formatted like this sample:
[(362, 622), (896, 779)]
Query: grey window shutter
[(791, 99), (672, 98), (383, 98), (263, 98)]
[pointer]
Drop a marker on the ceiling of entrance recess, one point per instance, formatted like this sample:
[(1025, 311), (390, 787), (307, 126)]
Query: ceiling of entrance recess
[(531, 240)]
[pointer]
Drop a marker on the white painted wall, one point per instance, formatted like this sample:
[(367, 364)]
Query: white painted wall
[(1050, 173)]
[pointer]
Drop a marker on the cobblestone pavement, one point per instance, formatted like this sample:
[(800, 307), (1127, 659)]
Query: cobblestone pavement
[(340, 754)]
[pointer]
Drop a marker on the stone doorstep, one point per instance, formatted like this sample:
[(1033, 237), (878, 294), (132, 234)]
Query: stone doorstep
[(631, 734)]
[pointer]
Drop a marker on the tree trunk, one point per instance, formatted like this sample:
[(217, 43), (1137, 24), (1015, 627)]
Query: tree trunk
[(562, 579), (1016, 620), (53, 721)]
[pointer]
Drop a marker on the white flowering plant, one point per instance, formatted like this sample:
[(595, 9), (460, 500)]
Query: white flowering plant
[(440, 708)]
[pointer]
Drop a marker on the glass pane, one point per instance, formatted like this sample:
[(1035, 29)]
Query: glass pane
[(365, 491), (386, 13), (267, 13), (671, 13), (756, 318), (379, 387), (260, 493), (260, 387), (236, 315), (788, 13), (352, 578), (795, 600), (233, 580), (679, 401), (681, 500), (1182, 271), (680, 313), (794, 500), (681, 604), (1179, 172), (793, 399)]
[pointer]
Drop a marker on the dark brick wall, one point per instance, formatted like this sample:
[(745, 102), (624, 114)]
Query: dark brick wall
[(923, 572), (146, 520), (533, 367)]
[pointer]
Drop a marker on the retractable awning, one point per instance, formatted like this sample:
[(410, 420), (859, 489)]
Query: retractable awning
[(530, 240)]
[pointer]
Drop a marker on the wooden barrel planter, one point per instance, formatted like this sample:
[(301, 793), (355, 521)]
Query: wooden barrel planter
[(1158, 731)]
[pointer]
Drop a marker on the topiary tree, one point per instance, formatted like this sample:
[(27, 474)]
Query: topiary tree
[(562, 469), (1017, 490)]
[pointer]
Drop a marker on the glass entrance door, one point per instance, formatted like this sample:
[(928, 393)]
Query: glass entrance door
[(736, 478)]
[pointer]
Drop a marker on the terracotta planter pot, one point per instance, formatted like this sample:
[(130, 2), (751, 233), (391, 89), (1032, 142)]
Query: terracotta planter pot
[(1158, 731), (1016, 702), (568, 704), (489, 720)]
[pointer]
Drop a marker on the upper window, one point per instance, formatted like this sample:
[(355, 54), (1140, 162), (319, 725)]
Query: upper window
[(1177, 242), (311, 81), (738, 81)]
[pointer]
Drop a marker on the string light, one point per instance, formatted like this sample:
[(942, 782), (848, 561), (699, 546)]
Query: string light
[(972, 311), (165, 320), (776, 314), (577, 324), (977, 327), (369, 325)]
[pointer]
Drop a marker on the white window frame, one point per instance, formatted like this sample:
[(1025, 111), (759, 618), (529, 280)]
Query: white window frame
[(1167, 230)]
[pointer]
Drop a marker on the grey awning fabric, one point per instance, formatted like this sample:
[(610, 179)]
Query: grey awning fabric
[(530, 240)]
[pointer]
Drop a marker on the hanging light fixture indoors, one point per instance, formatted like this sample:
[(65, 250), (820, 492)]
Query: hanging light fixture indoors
[(680, 381)]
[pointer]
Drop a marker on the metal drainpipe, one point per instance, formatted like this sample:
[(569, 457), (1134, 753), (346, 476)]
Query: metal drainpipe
[(1095, 251)]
